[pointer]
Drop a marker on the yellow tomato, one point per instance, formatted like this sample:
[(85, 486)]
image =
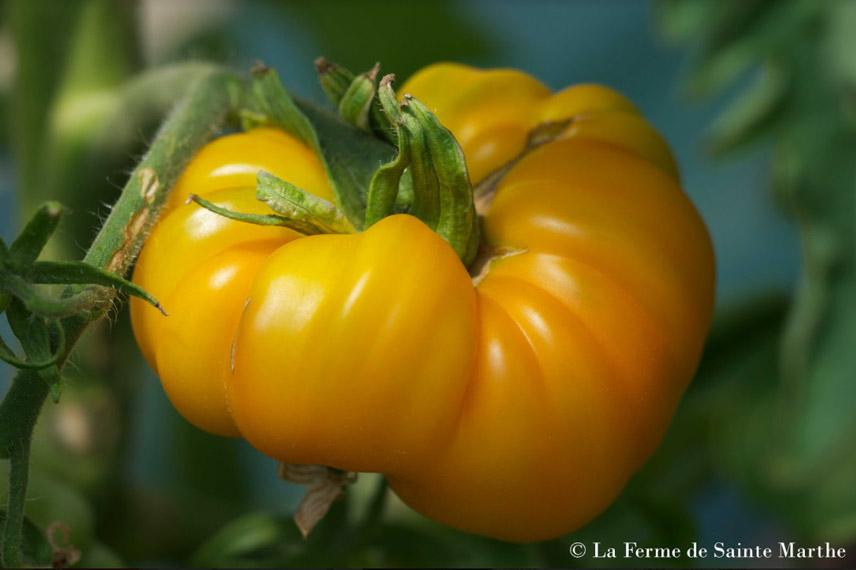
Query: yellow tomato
[(516, 406)]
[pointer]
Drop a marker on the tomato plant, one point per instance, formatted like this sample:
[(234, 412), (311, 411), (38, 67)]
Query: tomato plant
[(509, 391)]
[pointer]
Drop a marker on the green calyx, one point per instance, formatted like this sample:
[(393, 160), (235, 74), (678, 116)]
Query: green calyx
[(428, 177), (295, 208), (348, 92), (349, 155), (356, 102), (422, 173), (442, 195)]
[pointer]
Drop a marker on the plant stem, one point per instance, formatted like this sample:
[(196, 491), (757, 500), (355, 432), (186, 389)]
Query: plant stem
[(18, 476), (190, 125), (24, 400), (210, 98), (377, 504)]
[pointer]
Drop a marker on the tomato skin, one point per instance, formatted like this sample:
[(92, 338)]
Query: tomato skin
[(369, 366), (587, 339), (490, 112), (233, 161), (517, 407)]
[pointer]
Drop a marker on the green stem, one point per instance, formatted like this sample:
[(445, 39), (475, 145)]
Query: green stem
[(190, 125), (8, 356), (79, 272), (51, 306), (32, 240), (209, 99), (18, 475), (377, 504)]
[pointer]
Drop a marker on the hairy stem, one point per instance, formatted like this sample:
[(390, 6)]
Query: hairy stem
[(209, 99), (18, 476), (25, 403), (191, 124)]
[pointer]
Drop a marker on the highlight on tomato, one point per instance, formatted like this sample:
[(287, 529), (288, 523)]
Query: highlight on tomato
[(502, 324)]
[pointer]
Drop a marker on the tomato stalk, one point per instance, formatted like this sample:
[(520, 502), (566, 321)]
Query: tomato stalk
[(211, 97), (19, 472)]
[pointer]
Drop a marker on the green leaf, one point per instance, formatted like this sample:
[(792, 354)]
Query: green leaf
[(754, 113), (36, 339), (257, 219), (279, 106), (442, 193), (50, 306), (256, 540), (785, 427), (681, 21), (100, 556), (82, 273), (32, 240), (5, 297), (351, 158), (745, 33), (840, 42), (4, 254), (58, 341), (286, 199), (336, 81)]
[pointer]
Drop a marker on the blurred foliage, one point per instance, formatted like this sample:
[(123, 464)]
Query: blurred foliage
[(789, 434), (386, 28), (357, 34), (61, 69)]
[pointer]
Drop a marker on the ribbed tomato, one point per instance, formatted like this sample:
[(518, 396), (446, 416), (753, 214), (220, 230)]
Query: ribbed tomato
[(515, 404)]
